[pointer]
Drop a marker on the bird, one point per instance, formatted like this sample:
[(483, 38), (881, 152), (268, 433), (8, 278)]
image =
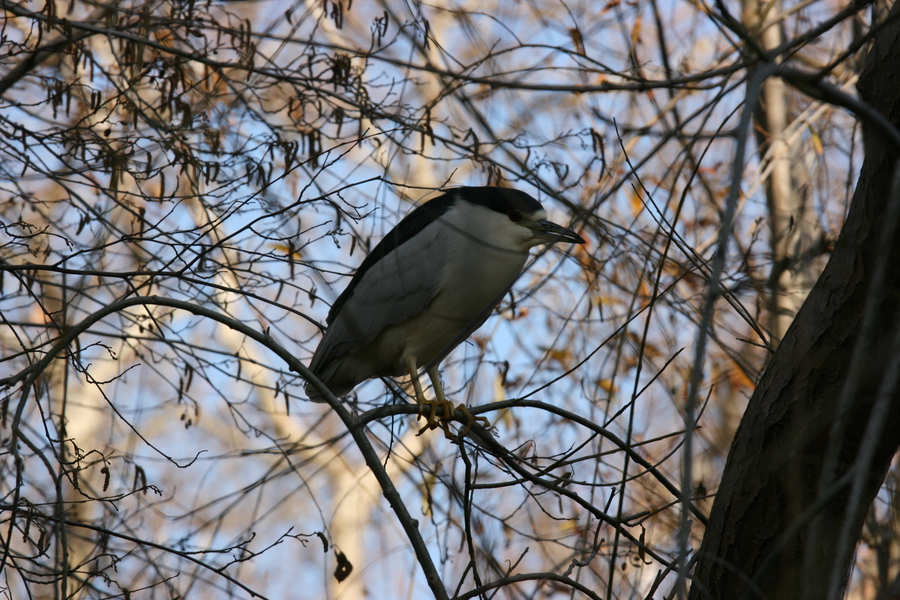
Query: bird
[(426, 286)]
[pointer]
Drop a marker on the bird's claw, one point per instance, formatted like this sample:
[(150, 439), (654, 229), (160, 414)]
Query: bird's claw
[(471, 420), (433, 421)]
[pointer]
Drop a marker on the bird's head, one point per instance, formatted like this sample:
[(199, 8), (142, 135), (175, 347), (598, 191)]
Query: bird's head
[(510, 218)]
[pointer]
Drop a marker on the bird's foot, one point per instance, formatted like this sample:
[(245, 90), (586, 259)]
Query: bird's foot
[(470, 420), (433, 421)]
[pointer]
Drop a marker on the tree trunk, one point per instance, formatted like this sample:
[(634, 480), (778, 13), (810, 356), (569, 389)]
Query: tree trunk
[(785, 502), (796, 235)]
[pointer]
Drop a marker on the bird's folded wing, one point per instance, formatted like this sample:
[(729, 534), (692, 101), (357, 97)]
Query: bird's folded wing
[(394, 289)]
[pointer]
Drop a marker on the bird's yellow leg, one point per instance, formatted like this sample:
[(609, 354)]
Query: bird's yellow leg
[(417, 385), (439, 400), (420, 396), (449, 409)]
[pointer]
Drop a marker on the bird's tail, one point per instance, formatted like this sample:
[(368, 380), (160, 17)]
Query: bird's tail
[(312, 393)]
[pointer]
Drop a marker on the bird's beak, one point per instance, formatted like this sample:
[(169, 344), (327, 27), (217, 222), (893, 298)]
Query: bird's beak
[(548, 231)]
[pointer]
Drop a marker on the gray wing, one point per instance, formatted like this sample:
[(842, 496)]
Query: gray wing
[(394, 289)]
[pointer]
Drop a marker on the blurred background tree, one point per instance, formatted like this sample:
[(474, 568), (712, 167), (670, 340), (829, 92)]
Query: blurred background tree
[(185, 187)]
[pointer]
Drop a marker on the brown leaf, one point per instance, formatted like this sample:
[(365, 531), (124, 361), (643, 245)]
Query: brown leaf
[(344, 568)]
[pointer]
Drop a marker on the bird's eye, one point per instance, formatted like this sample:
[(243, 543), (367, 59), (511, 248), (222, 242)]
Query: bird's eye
[(514, 216)]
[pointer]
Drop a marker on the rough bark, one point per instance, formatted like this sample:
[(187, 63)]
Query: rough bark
[(776, 522)]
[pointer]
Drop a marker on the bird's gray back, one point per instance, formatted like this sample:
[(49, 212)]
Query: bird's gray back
[(392, 290)]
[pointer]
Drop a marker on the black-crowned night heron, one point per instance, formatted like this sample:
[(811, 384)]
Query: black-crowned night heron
[(432, 281)]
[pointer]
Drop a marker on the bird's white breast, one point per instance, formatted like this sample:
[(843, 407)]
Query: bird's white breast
[(486, 253)]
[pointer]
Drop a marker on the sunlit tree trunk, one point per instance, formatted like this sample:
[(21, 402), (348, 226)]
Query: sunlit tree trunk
[(787, 157)]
